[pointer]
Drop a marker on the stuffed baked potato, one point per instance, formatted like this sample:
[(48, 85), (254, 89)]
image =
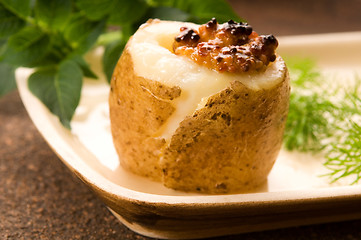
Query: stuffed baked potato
[(182, 116)]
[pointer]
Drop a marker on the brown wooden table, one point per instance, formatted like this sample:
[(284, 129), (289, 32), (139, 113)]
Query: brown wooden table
[(41, 199)]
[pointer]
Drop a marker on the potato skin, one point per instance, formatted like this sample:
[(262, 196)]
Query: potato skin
[(138, 108), (229, 146)]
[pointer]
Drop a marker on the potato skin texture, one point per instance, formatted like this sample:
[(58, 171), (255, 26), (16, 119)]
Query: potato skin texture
[(231, 144), (138, 108)]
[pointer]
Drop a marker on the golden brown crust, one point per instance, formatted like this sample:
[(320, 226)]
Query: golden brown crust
[(231, 144), (138, 108)]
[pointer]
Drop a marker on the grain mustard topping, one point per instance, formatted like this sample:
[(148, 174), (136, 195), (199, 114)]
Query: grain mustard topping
[(228, 47)]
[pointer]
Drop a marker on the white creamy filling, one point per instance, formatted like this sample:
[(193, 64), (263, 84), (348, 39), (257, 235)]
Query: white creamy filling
[(150, 49)]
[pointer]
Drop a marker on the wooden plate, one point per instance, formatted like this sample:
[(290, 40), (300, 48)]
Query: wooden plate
[(294, 195)]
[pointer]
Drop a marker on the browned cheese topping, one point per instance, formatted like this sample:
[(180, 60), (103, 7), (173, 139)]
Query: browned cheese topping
[(229, 47)]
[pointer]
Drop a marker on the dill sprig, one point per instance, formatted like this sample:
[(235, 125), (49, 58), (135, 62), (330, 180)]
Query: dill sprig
[(325, 120), (308, 123), (303, 73), (344, 157)]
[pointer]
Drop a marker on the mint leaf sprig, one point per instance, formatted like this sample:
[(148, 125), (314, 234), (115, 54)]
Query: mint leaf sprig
[(52, 37)]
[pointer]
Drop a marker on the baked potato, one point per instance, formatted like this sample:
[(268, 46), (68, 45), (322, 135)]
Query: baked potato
[(178, 119)]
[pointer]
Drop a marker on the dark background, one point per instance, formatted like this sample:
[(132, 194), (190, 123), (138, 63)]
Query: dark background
[(41, 199), (284, 17)]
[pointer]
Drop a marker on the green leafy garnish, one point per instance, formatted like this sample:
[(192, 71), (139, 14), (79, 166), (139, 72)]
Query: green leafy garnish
[(52, 37), (321, 122), (59, 88), (10, 23), (344, 157), (7, 79), (308, 118), (307, 123)]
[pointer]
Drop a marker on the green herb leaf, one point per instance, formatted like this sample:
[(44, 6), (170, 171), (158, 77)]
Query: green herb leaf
[(344, 158), (202, 11), (352, 102), (7, 79), (205, 10), (53, 36), (19, 7), (110, 36), (158, 3), (168, 13), (68, 83), (59, 89), (53, 14), (95, 9), (2, 43), (25, 47), (111, 56), (82, 33), (317, 122), (307, 123), (84, 66), (126, 12), (304, 73), (9, 22)]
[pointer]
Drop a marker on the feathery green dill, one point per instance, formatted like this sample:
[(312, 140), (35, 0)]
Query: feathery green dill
[(344, 157), (320, 122), (308, 118)]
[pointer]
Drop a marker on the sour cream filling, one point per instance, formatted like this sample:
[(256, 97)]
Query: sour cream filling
[(152, 56)]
